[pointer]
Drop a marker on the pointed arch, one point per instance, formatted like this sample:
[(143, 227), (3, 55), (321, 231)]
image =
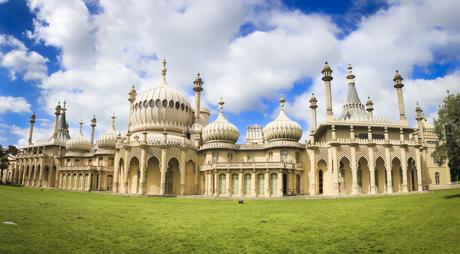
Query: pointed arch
[(190, 177), (133, 175), (363, 175), (345, 176), (396, 174), (173, 177), (380, 175), (153, 175)]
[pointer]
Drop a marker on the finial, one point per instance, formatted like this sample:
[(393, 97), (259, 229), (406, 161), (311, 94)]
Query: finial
[(313, 101), (198, 83), (113, 121), (65, 102), (33, 117), (398, 80), (282, 101), (93, 121), (327, 71), (164, 70), (350, 75), (81, 127), (221, 105)]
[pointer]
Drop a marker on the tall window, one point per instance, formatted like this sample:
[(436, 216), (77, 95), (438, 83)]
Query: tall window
[(270, 156), (284, 155), (110, 161), (215, 157), (436, 177), (297, 157), (230, 157), (250, 157)]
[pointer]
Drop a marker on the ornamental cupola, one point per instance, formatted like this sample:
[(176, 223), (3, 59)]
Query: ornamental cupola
[(108, 140), (282, 128), (79, 143), (221, 130)]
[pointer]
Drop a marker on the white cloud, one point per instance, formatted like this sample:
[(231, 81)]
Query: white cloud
[(3, 1), (13, 104), (17, 59), (103, 54)]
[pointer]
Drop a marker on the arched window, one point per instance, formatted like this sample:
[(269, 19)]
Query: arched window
[(436, 177), (297, 157), (230, 157), (270, 156), (215, 157), (284, 155)]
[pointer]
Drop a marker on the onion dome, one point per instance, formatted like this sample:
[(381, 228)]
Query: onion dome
[(78, 143), (282, 128), (221, 130), (161, 108), (109, 139)]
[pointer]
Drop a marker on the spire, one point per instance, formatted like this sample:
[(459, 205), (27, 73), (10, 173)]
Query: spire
[(282, 101), (164, 70), (221, 105), (313, 101), (327, 71), (93, 121), (198, 83), (132, 94), (353, 108), (81, 127), (113, 121), (398, 80)]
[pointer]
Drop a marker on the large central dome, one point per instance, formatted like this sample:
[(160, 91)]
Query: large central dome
[(161, 108)]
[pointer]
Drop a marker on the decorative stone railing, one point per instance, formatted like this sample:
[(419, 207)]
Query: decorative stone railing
[(78, 168), (252, 165), (364, 141)]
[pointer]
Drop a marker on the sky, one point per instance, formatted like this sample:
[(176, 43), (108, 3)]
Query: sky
[(250, 52)]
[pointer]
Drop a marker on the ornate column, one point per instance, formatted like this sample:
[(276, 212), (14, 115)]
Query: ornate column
[(116, 168), (227, 178), (141, 189), (312, 178), (335, 171), (253, 183), (125, 172), (388, 169), (354, 171), (370, 150), (404, 169), (267, 183), (240, 183), (419, 169), (182, 172), (216, 183), (280, 183), (163, 169)]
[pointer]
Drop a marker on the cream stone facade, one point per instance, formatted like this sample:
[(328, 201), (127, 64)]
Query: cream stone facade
[(170, 148)]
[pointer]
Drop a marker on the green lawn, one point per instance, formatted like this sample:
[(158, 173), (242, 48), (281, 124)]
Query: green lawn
[(53, 221)]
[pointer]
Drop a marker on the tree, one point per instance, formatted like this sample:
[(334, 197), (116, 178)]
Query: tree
[(447, 128)]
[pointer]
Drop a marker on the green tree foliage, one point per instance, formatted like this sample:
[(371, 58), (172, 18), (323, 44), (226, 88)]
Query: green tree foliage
[(447, 128)]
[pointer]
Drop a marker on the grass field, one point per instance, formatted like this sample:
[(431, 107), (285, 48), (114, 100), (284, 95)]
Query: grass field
[(53, 221)]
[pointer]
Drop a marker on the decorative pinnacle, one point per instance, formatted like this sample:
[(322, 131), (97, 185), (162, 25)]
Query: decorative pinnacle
[(58, 108), (313, 101), (398, 80), (93, 121), (369, 104), (164, 70), (81, 127), (327, 71), (221, 105), (33, 117), (113, 121), (198, 83), (282, 101), (350, 72)]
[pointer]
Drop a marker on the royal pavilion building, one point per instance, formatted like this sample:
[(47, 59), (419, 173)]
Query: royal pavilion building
[(170, 148)]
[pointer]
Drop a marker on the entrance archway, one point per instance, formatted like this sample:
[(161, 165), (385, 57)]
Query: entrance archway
[(153, 177), (172, 177), (363, 176), (190, 177), (396, 175), (380, 175), (133, 176)]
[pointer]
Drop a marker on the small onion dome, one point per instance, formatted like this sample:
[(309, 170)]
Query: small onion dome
[(398, 80), (109, 139), (369, 104), (78, 143), (282, 128), (221, 130)]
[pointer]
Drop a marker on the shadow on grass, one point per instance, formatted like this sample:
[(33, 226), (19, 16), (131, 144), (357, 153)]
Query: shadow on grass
[(452, 196)]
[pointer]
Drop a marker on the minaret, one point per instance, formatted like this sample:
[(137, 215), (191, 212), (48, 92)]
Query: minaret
[(327, 77), (313, 106), (57, 112), (197, 88), (31, 128), (93, 127), (132, 97), (163, 73), (399, 85), (419, 117), (370, 108)]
